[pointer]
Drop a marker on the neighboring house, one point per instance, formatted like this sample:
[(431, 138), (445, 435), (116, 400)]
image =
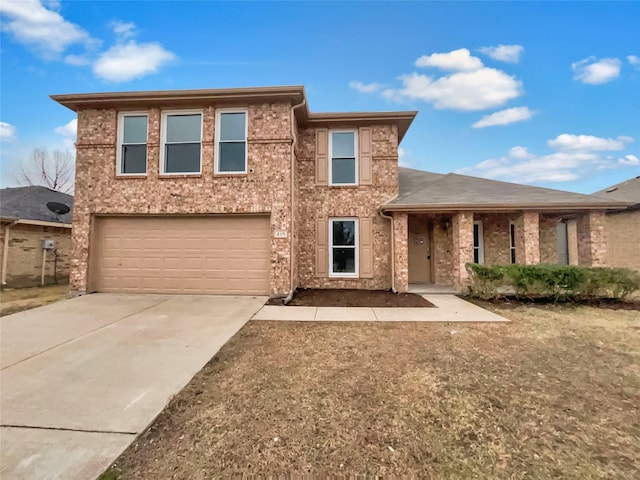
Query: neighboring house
[(623, 226), (36, 242), (245, 191)]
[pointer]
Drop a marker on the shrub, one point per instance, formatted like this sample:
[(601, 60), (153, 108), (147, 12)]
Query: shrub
[(557, 282)]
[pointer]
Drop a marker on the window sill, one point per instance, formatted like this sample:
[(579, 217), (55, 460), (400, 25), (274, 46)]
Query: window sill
[(343, 186), (130, 176), (230, 174), (343, 277), (179, 175)]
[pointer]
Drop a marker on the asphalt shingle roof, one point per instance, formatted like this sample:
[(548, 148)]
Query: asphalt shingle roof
[(30, 203), (418, 188), (627, 191)]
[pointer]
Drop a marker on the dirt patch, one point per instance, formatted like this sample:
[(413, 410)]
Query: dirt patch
[(317, 297), (604, 303), (554, 394), (19, 299)]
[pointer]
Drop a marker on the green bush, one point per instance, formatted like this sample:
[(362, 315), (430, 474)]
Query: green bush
[(557, 282)]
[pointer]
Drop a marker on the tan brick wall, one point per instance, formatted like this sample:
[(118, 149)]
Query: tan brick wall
[(24, 258), (462, 235), (592, 241), (549, 238), (401, 251), (496, 237), (265, 189), (623, 239), (319, 203)]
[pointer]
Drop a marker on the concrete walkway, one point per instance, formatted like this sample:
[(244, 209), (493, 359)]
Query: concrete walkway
[(83, 377), (449, 308)]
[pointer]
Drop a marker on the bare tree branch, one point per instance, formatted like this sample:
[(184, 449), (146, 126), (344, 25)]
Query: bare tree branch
[(52, 170)]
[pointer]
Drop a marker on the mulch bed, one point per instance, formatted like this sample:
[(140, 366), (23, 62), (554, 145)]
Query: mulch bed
[(604, 303), (316, 297)]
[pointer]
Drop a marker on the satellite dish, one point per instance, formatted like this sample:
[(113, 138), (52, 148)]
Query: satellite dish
[(58, 208)]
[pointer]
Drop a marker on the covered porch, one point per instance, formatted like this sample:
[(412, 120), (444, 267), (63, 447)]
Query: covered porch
[(433, 247)]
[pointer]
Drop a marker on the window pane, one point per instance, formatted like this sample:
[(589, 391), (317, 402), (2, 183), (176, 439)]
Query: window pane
[(476, 235), (476, 255), (344, 260), (343, 144), (343, 171), (135, 129), (232, 157), (183, 128), (134, 159), (344, 232), (232, 126), (182, 158)]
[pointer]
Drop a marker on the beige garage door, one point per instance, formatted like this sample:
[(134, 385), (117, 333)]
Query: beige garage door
[(190, 255)]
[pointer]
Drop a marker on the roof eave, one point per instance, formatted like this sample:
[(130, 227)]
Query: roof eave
[(497, 207)]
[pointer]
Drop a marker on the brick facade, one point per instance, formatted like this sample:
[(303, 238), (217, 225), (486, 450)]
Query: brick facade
[(623, 239), (592, 242), (24, 258)]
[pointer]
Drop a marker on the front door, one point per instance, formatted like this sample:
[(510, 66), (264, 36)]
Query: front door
[(420, 256)]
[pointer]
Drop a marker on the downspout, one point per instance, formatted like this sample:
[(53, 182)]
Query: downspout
[(5, 251), (393, 244), (292, 287)]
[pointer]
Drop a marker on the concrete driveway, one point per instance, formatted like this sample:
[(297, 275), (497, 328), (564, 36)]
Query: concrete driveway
[(82, 377)]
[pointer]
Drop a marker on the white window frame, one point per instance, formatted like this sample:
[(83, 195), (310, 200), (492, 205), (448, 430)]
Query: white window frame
[(216, 163), (356, 247), (163, 138), (121, 117), (480, 246), (355, 152), (512, 243)]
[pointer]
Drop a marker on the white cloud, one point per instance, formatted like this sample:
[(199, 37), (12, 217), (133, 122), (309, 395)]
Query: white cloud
[(30, 23), (467, 91), (69, 132), (571, 142), (629, 160), (504, 117), (596, 72), (634, 61), (504, 53), (77, 60), (124, 62), (123, 30), (402, 158), (365, 87), (576, 156), (456, 60), (7, 132)]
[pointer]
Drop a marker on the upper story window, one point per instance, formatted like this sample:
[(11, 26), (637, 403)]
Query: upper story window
[(231, 141), (132, 144), (181, 142), (343, 152)]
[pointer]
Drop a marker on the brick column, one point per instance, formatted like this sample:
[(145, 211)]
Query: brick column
[(401, 246), (531, 227), (462, 225), (592, 246)]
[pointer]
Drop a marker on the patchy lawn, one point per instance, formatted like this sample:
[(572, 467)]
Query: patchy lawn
[(19, 299), (555, 394)]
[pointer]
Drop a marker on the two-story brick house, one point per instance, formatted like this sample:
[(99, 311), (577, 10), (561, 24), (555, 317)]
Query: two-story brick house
[(246, 191)]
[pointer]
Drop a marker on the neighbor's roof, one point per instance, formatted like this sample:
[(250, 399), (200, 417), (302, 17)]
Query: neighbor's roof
[(426, 191), (627, 191), (230, 96), (30, 203)]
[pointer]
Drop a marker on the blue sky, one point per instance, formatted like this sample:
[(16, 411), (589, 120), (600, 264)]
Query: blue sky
[(544, 93)]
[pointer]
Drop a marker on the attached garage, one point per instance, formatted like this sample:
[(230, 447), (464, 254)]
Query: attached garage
[(185, 254)]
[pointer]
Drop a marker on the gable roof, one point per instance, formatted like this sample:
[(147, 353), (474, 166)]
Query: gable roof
[(419, 190), (293, 94), (30, 203), (627, 191)]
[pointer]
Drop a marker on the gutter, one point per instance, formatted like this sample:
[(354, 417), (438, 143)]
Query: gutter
[(448, 207), (393, 243), (292, 286)]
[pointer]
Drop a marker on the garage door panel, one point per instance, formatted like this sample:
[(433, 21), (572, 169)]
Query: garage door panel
[(183, 255)]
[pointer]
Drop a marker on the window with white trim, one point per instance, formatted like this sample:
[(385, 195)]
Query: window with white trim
[(231, 141), (181, 150), (478, 243), (131, 157), (343, 247), (343, 151), (512, 241)]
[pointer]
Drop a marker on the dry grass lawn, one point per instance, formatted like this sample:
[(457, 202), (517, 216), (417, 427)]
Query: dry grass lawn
[(555, 394), (19, 299)]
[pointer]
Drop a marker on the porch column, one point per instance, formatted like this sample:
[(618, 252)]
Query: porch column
[(401, 250), (592, 246), (462, 226), (531, 227)]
